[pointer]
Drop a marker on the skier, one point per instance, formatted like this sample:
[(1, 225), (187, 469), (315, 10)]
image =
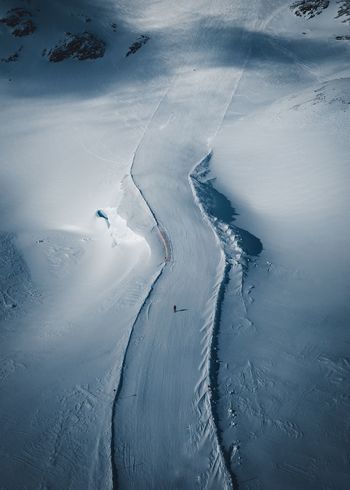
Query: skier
[(174, 308)]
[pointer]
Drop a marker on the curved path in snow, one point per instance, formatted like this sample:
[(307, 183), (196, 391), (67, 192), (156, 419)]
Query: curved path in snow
[(164, 432)]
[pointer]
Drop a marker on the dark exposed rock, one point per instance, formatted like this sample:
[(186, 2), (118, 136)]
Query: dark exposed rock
[(343, 38), (13, 57), (14, 16), (344, 10), (309, 8), (141, 41), (20, 21), (24, 28), (10, 59), (83, 46)]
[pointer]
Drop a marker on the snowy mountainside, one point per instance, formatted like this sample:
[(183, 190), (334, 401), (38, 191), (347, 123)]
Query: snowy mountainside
[(294, 323), (64, 33), (311, 8), (174, 154)]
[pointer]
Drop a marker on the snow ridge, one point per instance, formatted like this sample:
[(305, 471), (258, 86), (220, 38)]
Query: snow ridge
[(163, 236), (238, 248), (167, 256), (206, 388)]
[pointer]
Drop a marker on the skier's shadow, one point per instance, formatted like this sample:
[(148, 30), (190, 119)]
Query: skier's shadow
[(183, 309)]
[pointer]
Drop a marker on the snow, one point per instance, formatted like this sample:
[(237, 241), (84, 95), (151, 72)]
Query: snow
[(288, 342), (208, 169), (299, 314)]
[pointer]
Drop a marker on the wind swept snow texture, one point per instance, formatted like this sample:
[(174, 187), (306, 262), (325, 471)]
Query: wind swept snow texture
[(282, 156), (16, 287)]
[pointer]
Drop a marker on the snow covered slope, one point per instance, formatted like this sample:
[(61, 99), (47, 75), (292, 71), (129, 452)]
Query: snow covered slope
[(160, 153), (282, 159)]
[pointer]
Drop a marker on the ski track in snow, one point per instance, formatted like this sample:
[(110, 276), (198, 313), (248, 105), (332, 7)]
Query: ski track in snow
[(205, 389), (203, 435), (206, 386)]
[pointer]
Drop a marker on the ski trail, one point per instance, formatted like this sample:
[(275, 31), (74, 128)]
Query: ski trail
[(132, 465), (128, 461), (91, 152), (296, 59)]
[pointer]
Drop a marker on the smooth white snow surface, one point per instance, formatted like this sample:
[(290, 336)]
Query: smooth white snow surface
[(208, 170)]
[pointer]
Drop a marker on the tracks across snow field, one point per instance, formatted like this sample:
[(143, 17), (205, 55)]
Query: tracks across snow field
[(126, 466), (87, 314), (210, 463), (164, 425)]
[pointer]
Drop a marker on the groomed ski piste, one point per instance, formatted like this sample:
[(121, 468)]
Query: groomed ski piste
[(201, 162)]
